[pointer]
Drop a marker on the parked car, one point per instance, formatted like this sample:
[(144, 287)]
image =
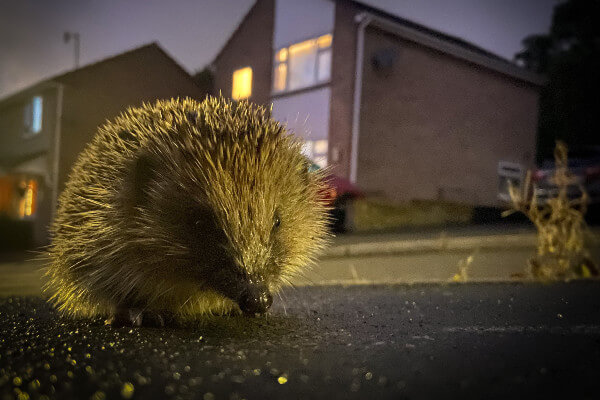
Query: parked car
[(339, 194), (583, 164)]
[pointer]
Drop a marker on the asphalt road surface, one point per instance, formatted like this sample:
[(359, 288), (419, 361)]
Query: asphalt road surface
[(480, 341)]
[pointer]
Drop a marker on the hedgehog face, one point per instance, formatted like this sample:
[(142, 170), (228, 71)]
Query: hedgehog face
[(219, 262), (241, 233)]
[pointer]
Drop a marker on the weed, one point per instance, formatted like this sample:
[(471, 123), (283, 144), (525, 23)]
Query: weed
[(560, 224), (463, 268)]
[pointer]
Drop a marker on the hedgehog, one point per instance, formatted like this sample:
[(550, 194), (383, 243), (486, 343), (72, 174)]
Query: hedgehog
[(181, 209)]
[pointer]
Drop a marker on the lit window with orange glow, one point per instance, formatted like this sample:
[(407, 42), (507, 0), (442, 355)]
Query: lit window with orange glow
[(325, 41), (303, 64), (242, 83), (282, 55), (27, 203), (280, 77)]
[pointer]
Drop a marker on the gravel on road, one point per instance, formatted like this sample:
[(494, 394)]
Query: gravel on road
[(492, 341)]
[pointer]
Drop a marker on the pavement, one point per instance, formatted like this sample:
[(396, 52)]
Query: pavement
[(454, 341), (494, 253), (459, 238)]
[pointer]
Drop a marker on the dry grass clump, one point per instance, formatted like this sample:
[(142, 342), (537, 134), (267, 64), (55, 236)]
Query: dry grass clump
[(560, 224)]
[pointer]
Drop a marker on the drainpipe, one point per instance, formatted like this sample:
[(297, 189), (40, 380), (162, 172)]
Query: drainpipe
[(363, 20), (56, 149)]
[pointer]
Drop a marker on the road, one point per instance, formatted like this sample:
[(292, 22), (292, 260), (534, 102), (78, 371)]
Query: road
[(486, 340)]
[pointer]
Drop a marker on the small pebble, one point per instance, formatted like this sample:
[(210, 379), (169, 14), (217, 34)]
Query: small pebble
[(127, 390)]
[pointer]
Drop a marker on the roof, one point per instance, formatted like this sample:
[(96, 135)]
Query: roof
[(65, 75), (445, 43), (424, 29), (235, 31)]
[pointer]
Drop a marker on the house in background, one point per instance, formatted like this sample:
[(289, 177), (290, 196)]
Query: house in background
[(44, 127), (401, 110)]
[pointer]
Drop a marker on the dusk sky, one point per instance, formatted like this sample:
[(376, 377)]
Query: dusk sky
[(193, 31)]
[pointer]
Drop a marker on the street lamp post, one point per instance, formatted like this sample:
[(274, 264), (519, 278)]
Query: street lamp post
[(75, 36)]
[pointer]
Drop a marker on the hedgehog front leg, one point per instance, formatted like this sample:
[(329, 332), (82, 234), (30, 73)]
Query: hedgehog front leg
[(125, 316), (158, 319)]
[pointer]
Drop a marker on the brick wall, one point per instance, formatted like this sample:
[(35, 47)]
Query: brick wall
[(434, 127), (101, 92), (342, 88)]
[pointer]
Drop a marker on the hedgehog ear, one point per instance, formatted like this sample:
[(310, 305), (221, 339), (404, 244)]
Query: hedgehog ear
[(142, 171)]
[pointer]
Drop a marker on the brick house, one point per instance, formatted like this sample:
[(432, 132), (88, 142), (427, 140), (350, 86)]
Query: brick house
[(44, 127), (400, 109)]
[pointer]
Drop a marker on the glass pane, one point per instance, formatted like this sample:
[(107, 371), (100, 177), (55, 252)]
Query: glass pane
[(282, 55), (324, 41), (324, 65), (36, 125), (307, 149), (280, 77), (320, 147), (27, 202), (321, 161), (302, 57), (242, 83)]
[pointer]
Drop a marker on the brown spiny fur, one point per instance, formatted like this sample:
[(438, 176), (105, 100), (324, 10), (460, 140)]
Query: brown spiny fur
[(225, 167)]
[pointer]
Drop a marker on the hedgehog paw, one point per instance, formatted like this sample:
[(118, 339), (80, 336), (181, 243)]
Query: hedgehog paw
[(136, 317), (126, 317), (158, 319)]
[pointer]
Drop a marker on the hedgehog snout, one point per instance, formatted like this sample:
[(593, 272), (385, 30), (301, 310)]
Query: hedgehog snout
[(255, 299)]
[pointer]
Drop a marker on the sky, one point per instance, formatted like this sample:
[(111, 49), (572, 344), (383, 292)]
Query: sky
[(193, 31)]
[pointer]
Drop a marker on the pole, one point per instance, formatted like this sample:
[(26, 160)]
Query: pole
[(67, 36), (76, 43)]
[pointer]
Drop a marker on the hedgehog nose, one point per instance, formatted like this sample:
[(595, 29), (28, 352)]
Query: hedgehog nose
[(255, 301)]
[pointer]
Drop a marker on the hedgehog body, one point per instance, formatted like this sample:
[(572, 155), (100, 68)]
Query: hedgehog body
[(187, 208)]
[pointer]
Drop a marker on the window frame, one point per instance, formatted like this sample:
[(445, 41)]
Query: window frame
[(315, 81)]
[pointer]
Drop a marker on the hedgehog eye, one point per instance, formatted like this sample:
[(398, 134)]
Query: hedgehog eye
[(276, 220)]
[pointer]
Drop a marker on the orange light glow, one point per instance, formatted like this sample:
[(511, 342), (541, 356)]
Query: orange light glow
[(282, 55), (242, 84), (302, 47), (325, 40), (27, 204), (280, 77)]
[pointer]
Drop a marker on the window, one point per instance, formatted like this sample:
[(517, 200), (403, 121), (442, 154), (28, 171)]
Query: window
[(27, 201), (32, 117), (316, 151), (303, 64), (242, 83)]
